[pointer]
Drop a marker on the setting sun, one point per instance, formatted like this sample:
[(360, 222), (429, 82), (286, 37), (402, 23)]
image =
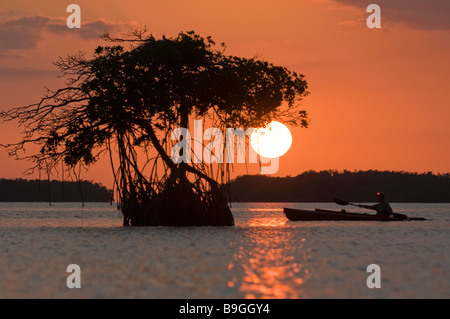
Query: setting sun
[(271, 141)]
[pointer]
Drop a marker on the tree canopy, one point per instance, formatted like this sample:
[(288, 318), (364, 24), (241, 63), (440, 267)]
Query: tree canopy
[(129, 96)]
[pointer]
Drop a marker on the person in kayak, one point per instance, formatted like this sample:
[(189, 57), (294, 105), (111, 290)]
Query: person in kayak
[(384, 210)]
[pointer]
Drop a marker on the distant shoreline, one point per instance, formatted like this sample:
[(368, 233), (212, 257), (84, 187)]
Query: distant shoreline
[(307, 187), (22, 190), (319, 202), (357, 186)]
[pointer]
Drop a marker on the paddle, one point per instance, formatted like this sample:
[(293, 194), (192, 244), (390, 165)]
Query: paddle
[(344, 202)]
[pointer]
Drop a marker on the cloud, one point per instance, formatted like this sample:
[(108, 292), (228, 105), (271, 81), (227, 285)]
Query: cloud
[(91, 30), (26, 32), (11, 73), (22, 33), (417, 14)]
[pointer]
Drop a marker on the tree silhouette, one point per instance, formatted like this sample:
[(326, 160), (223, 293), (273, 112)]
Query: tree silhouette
[(127, 99)]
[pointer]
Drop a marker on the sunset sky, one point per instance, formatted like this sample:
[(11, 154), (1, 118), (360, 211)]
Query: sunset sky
[(379, 97)]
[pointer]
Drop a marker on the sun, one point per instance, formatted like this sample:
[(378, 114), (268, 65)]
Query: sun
[(271, 141)]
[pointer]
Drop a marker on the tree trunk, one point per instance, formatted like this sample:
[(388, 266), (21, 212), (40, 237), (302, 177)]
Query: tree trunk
[(180, 203)]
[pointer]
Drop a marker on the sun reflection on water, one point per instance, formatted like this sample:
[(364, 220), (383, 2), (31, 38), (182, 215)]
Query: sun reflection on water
[(269, 264)]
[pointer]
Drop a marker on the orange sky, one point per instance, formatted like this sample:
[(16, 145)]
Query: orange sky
[(379, 98)]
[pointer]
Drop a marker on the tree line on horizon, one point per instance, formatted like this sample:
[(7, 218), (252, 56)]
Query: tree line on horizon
[(357, 186), (310, 186), (22, 190)]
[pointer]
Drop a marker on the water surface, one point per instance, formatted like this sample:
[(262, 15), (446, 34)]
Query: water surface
[(263, 256)]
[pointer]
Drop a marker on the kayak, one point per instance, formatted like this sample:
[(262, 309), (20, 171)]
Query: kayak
[(324, 214)]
